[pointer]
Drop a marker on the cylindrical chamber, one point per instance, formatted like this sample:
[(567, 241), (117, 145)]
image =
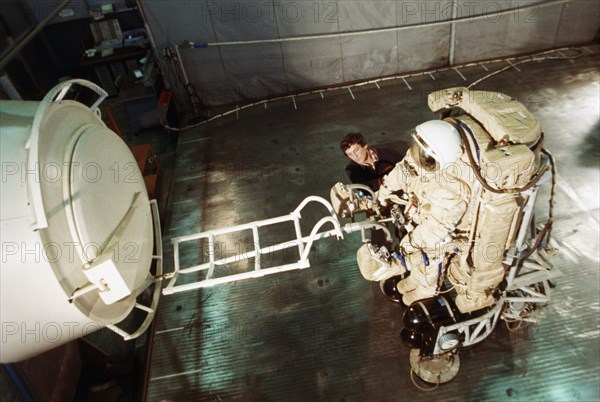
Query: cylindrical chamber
[(75, 221)]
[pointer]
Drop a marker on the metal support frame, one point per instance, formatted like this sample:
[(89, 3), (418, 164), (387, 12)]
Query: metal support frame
[(158, 257), (474, 330), (530, 286), (55, 95), (527, 282), (303, 243)]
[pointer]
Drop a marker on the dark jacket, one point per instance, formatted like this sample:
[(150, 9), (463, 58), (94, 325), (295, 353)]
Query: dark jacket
[(387, 159)]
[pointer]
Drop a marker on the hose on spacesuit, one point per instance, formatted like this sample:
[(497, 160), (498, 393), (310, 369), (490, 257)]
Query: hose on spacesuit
[(477, 170), (546, 231), (552, 188)]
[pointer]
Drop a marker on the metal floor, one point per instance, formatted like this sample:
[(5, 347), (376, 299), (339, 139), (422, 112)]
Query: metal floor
[(326, 334)]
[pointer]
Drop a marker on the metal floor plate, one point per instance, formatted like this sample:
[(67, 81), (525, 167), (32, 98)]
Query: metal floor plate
[(326, 334)]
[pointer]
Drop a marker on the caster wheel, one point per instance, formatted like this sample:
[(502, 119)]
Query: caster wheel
[(435, 369)]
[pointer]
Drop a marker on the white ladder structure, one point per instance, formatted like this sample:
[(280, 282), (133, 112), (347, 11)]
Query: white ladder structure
[(302, 242)]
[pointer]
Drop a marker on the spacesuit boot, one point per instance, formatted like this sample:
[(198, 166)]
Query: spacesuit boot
[(419, 293), (375, 263), (406, 285), (410, 282), (468, 301), (473, 288), (426, 282)]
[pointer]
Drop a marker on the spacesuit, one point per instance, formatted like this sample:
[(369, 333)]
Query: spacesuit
[(464, 184), (434, 183)]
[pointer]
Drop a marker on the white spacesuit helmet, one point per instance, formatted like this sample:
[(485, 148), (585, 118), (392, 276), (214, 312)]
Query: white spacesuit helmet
[(439, 144)]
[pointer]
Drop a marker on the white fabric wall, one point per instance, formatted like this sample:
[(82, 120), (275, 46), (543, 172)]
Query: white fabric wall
[(239, 73)]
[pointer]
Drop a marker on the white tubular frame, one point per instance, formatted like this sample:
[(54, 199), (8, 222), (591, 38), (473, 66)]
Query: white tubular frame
[(304, 244), (158, 257), (474, 330), (55, 95)]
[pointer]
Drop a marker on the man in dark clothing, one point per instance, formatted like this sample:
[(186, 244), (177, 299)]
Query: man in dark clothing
[(369, 165)]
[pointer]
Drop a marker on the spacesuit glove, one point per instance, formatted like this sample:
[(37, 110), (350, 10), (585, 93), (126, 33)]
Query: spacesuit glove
[(381, 198), (385, 197)]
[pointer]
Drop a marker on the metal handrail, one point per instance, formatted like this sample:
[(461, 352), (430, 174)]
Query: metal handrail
[(158, 257), (303, 243)]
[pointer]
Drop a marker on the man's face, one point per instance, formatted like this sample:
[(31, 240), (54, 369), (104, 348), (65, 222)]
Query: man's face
[(358, 153)]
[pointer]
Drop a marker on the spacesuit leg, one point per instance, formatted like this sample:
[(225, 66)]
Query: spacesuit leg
[(469, 300), (474, 289), (428, 279), (411, 282), (407, 284)]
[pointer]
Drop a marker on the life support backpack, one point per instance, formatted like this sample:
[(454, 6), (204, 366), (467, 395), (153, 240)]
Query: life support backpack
[(503, 142)]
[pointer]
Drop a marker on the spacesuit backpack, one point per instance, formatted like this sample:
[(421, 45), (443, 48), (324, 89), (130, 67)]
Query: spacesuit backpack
[(502, 142)]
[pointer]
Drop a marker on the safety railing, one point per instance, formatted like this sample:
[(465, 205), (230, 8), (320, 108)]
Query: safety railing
[(301, 242), (155, 280)]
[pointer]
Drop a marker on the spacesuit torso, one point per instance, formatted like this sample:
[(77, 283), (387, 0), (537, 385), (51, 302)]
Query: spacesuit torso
[(437, 203)]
